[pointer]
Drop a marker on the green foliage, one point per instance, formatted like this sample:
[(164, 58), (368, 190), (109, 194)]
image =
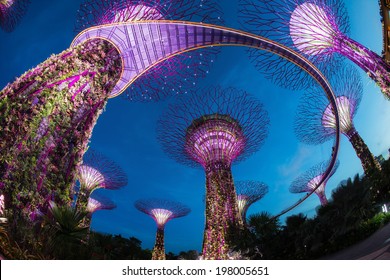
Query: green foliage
[(115, 247), (350, 216), (370, 226), (65, 231), (46, 119)]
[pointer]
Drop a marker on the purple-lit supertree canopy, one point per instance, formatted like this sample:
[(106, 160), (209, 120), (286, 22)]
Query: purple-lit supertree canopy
[(310, 180), (175, 75), (11, 11), (97, 171), (315, 120), (213, 130), (273, 19), (96, 203), (248, 192), (316, 28), (47, 116), (161, 211)]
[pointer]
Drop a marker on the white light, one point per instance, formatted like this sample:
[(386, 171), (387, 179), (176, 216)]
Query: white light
[(242, 200), (313, 183), (2, 206), (89, 177), (161, 215), (93, 205), (7, 3), (310, 29), (345, 115)]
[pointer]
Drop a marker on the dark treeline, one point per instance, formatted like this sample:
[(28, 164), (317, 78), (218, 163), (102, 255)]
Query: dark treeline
[(352, 214)]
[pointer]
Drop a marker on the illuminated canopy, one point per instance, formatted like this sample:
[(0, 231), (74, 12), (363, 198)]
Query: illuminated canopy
[(161, 216), (311, 29), (346, 113), (215, 138)]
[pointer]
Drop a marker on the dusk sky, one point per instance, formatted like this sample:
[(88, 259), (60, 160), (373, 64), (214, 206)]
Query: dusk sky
[(126, 131)]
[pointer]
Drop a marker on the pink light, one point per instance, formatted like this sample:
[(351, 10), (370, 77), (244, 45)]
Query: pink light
[(137, 13), (7, 3), (93, 205), (345, 109), (90, 177), (2, 205), (215, 138), (311, 29), (313, 183), (161, 216)]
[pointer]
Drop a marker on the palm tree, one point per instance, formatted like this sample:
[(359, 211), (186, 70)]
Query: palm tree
[(267, 233), (65, 233)]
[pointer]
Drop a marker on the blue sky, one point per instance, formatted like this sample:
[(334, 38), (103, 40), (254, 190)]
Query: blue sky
[(126, 132)]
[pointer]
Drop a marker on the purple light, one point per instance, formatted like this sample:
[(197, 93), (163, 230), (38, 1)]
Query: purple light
[(214, 130), (214, 138), (161, 211), (2, 205), (161, 216), (11, 11), (137, 13), (307, 26), (89, 177), (313, 183), (175, 75), (5, 4), (317, 28), (46, 155), (315, 119), (248, 192), (346, 109), (220, 125), (99, 204), (312, 29), (98, 171), (309, 181), (316, 123)]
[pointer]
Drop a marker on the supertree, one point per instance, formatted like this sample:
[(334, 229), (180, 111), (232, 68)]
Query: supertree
[(47, 115), (248, 192), (175, 75), (97, 171), (213, 130), (161, 211), (310, 180), (11, 11), (318, 29), (315, 120), (96, 203)]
